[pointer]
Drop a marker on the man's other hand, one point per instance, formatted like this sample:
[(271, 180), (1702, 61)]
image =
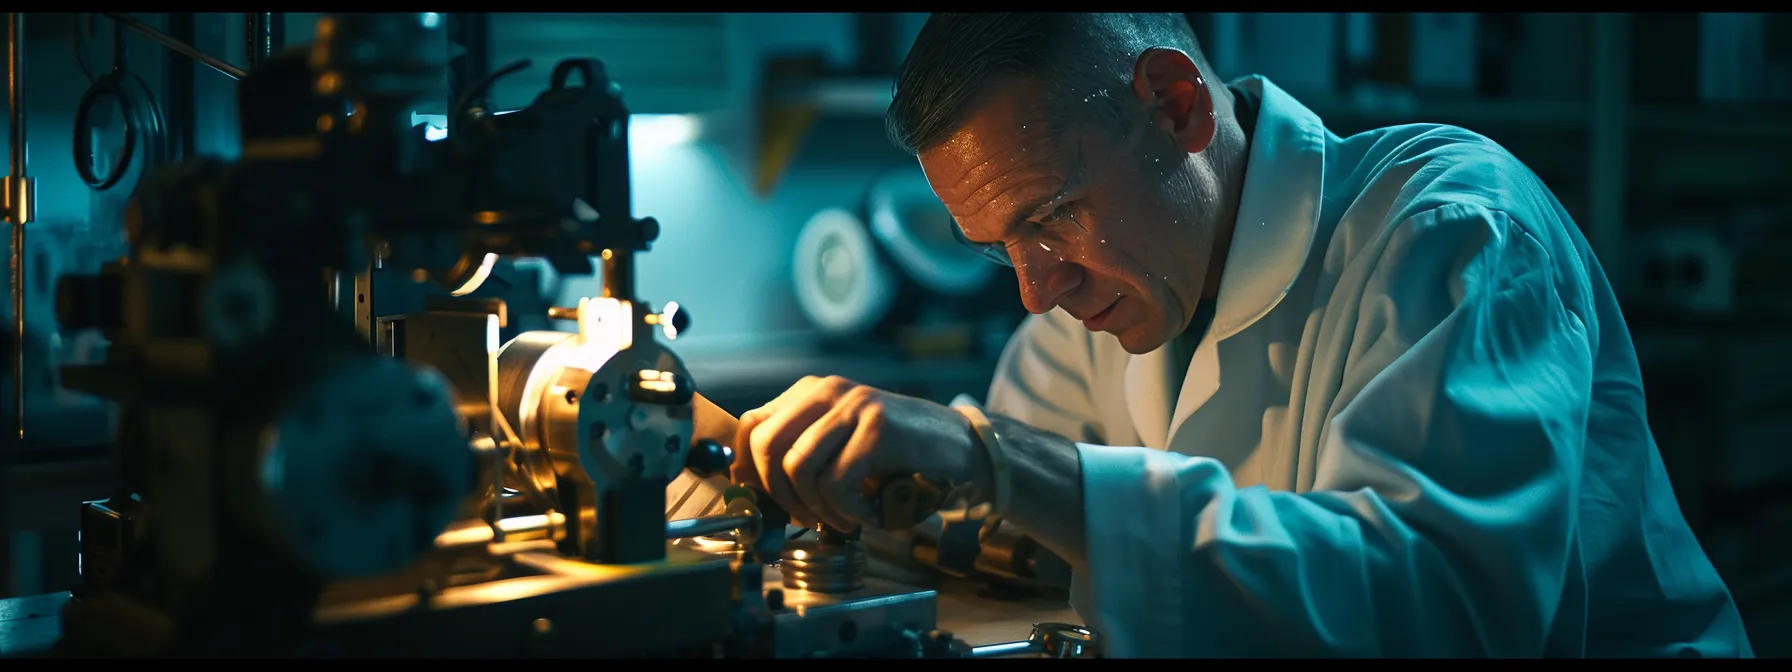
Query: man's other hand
[(823, 447)]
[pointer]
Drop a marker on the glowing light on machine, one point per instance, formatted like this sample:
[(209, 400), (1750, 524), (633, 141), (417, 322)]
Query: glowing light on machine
[(479, 276), (658, 381)]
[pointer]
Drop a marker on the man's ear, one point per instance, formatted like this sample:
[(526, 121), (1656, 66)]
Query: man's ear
[(1169, 85)]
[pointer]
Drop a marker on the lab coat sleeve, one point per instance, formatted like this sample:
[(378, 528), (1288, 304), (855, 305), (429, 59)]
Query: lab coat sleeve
[(1442, 520)]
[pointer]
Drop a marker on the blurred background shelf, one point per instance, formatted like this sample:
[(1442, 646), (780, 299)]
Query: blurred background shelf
[(1740, 121)]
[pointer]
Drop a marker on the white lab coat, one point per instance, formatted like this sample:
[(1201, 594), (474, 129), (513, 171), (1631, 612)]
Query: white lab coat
[(1415, 428)]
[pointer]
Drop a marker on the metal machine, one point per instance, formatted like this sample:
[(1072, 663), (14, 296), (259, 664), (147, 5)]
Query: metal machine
[(301, 484)]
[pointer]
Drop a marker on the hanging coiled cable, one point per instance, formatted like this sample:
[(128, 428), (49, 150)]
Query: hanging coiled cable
[(145, 128)]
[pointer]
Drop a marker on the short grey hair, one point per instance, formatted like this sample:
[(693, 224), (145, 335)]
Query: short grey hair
[(1088, 57)]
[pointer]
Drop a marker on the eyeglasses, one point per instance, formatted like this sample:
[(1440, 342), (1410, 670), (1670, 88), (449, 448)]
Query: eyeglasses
[(1067, 235), (995, 252)]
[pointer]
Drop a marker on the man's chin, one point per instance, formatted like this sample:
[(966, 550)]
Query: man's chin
[(1139, 340)]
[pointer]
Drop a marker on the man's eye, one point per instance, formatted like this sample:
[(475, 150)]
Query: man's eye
[(1058, 215)]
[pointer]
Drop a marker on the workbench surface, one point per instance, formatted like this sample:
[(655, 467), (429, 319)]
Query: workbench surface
[(30, 625)]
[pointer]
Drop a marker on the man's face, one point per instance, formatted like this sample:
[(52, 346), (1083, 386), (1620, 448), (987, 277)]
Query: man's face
[(1111, 221)]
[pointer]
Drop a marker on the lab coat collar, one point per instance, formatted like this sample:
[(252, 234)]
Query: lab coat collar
[(1278, 218), (1278, 213)]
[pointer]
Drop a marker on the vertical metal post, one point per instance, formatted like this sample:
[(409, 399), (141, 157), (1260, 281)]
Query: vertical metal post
[(18, 201), (266, 35), (472, 32), (1610, 137), (179, 99), (18, 208)]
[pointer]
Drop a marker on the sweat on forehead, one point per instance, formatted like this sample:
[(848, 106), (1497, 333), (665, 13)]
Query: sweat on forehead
[(997, 173), (1009, 132)]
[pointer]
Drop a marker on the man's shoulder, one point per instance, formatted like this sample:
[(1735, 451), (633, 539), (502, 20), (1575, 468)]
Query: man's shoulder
[(1416, 168), (1443, 175)]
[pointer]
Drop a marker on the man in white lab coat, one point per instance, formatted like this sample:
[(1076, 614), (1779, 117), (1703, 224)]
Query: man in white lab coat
[(1283, 393)]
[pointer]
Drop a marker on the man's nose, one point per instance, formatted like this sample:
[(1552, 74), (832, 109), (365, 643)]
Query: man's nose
[(1045, 280)]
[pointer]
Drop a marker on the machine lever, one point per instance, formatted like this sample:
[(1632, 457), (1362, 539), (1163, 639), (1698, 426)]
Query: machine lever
[(704, 526)]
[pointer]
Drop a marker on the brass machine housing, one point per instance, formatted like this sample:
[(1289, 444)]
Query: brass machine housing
[(291, 491)]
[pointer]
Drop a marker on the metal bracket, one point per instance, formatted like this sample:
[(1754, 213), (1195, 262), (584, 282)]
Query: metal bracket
[(20, 199)]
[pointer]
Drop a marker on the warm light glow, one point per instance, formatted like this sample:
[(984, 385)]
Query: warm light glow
[(479, 275), (658, 381)]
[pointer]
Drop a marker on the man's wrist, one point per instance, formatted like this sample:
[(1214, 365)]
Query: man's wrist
[(1047, 487), (992, 475), (977, 470)]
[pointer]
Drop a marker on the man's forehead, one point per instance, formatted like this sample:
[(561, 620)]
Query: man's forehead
[(1004, 142)]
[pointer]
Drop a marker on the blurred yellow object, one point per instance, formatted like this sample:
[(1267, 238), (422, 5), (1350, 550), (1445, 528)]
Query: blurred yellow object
[(785, 116)]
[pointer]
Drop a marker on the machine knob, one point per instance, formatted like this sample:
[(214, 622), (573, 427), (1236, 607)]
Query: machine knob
[(772, 520), (674, 320), (708, 458)]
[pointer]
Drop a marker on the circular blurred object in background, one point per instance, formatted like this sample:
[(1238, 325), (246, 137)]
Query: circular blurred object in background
[(842, 283), (367, 467), (891, 270), (916, 229)]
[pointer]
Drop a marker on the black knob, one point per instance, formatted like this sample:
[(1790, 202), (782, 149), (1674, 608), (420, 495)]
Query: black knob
[(708, 458), (681, 320)]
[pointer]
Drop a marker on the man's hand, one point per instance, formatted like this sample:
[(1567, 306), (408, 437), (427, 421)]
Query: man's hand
[(822, 448)]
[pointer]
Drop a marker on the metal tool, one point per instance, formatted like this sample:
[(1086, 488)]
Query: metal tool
[(710, 525), (1049, 640)]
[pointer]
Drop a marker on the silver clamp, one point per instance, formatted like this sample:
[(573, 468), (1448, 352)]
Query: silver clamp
[(1050, 640)]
